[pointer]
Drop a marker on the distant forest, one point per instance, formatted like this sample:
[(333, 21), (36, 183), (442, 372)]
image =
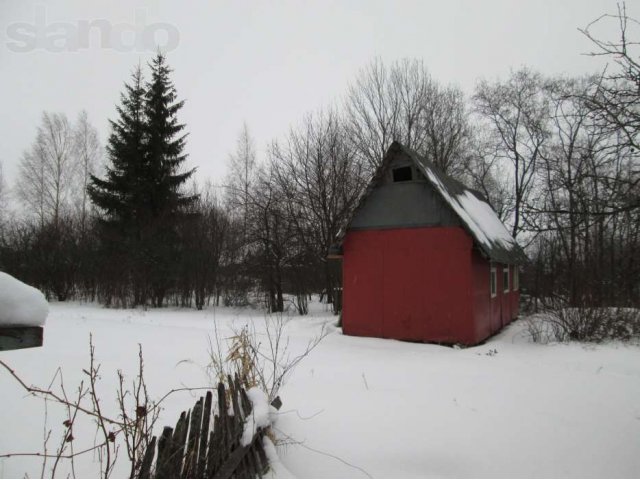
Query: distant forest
[(127, 223)]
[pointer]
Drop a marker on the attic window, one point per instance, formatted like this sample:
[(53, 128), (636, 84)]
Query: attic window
[(402, 174)]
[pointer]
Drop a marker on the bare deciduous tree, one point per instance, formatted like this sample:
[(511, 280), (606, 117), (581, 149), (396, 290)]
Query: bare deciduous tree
[(373, 108), (616, 103), (3, 199), (516, 113), (402, 102), (205, 232), (271, 235), (87, 151), (575, 147), (321, 178), (46, 170), (241, 176), (482, 173), (446, 130)]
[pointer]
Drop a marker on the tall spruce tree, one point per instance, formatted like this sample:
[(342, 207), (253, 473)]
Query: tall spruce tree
[(164, 161), (120, 197), (165, 143), (141, 198)]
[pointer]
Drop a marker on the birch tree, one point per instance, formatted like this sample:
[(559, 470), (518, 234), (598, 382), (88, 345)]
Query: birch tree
[(45, 181), (241, 176), (87, 152)]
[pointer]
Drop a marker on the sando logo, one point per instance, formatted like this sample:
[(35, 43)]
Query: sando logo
[(84, 34)]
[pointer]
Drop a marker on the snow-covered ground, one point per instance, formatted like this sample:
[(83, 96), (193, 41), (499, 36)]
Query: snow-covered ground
[(356, 406)]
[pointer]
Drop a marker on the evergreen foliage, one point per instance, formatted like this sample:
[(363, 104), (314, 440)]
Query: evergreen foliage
[(141, 197)]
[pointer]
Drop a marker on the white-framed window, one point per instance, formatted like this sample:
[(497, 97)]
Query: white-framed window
[(505, 279), (493, 282), (516, 278)]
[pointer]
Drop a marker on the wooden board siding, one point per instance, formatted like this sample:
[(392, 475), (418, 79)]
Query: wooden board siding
[(491, 314), (408, 284), (482, 301)]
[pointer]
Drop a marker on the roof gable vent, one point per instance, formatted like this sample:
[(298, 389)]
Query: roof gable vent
[(402, 174)]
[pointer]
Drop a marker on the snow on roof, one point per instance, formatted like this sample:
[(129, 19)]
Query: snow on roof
[(474, 211), (20, 304), (486, 220)]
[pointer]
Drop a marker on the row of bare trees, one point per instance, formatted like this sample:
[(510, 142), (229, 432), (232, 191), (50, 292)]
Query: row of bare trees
[(55, 171), (291, 208), (556, 157), (47, 244)]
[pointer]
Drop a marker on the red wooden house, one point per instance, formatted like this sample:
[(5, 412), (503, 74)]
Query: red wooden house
[(426, 259)]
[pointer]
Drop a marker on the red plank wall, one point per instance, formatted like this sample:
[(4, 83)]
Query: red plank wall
[(409, 284), (492, 314), (485, 322)]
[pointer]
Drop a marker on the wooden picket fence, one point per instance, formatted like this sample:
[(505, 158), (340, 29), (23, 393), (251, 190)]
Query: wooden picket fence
[(199, 448)]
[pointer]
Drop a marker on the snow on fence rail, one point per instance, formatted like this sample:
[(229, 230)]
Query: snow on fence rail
[(200, 448)]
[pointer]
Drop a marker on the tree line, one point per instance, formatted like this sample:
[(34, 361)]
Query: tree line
[(557, 158)]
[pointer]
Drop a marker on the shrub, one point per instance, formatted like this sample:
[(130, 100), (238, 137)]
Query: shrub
[(584, 324)]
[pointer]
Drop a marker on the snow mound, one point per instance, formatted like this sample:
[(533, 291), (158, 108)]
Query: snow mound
[(276, 468), (260, 416), (20, 304)]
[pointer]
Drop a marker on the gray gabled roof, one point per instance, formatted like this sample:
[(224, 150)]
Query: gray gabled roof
[(475, 214)]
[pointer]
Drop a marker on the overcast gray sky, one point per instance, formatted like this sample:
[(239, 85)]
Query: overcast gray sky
[(266, 63)]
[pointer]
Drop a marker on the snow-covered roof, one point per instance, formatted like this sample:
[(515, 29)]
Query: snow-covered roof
[(20, 304), (474, 212)]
